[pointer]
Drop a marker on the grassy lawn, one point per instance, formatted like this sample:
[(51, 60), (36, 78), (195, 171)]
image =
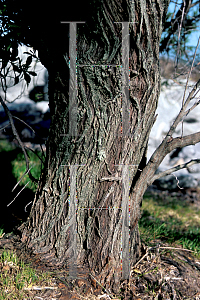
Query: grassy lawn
[(171, 220), (19, 165), (20, 281)]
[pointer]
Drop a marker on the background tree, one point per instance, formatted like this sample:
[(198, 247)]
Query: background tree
[(100, 151)]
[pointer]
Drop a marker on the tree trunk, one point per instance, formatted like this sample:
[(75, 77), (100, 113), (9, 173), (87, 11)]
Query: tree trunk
[(99, 161)]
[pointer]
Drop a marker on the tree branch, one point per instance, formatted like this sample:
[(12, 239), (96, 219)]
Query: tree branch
[(181, 142), (33, 132), (16, 135), (174, 169)]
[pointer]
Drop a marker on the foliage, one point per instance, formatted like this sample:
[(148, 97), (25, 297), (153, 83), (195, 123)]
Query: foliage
[(182, 20), (11, 35), (15, 29)]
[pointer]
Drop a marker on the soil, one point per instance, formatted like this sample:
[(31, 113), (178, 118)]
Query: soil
[(163, 272)]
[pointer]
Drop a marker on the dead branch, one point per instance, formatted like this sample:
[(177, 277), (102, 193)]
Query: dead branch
[(4, 127), (21, 179), (33, 132), (16, 135), (176, 168), (182, 111), (189, 75), (169, 143), (34, 153), (18, 193)]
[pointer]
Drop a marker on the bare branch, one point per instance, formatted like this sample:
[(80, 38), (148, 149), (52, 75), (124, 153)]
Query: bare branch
[(182, 111), (24, 123), (191, 108), (190, 71), (4, 127), (176, 168), (21, 178), (16, 135), (18, 194), (169, 144), (179, 34), (33, 131), (34, 153), (180, 142), (165, 148)]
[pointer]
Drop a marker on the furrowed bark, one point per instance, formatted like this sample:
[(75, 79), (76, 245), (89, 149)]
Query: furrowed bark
[(99, 150)]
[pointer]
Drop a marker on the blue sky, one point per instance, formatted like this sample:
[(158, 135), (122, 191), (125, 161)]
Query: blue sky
[(195, 35)]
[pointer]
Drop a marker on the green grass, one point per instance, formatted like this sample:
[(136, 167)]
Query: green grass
[(19, 165), (17, 279), (1, 231), (171, 220)]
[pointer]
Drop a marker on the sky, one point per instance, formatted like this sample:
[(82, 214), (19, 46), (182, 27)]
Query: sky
[(195, 35)]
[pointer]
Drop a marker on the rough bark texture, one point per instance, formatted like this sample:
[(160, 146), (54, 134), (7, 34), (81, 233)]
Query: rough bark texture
[(99, 148)]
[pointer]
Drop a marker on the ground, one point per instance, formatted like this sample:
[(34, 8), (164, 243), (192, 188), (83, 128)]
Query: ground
[(164, 271)]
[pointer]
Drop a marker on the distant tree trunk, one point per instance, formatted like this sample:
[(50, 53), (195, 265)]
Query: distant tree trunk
[(99, 149)]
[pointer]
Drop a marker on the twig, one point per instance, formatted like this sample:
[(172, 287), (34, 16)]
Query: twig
[(179, 34), (177, 182), (18, 193), (24, 123), (35, 153), (4, 127), (33, 132), (141, 259), (15, 133), (172, 248), (190, 71), (27, 206), (174, 169), (39, 288), (111, 179), (172, 278), (101, 286), (147, 252), (21, 179)]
